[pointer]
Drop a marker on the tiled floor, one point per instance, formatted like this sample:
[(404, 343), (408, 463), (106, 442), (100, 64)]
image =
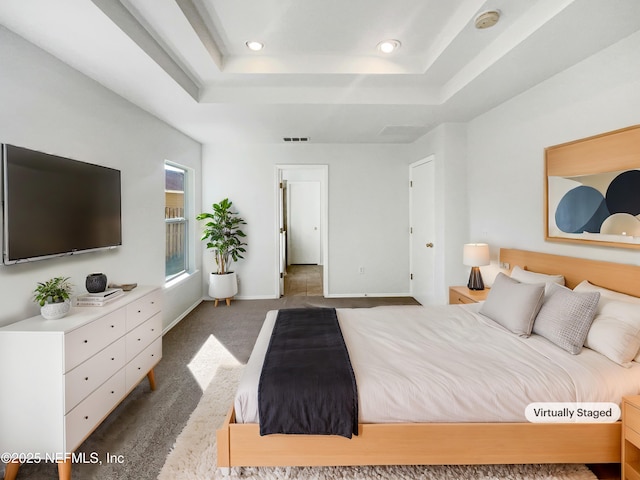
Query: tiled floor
[(303, 281)]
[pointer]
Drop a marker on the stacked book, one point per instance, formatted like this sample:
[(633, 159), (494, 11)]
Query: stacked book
[(98, 299)]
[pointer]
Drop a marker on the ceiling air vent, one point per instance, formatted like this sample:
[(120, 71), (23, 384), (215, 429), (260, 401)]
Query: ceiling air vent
[(295, 139)]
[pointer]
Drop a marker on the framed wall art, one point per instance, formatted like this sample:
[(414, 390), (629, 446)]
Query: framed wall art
[(592, 190)]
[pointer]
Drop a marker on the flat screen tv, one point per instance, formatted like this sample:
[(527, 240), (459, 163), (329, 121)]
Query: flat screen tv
[(55, 206)]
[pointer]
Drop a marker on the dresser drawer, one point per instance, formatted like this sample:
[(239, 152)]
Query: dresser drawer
[(143, 309), (84, 342), (89, 375), (145, 361), (139, 338), (632, 417), (81, 421)]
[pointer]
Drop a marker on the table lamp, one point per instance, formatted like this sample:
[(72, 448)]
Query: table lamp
[(475, 255)]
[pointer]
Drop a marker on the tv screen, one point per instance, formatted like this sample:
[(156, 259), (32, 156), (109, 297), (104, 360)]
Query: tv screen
[(55, 206)]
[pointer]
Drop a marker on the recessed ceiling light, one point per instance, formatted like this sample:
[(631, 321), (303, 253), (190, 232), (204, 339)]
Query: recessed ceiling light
[(487, 19), (254, 46), (389, 46)]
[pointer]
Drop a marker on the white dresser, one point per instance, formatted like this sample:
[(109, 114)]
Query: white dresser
[(61, 378)]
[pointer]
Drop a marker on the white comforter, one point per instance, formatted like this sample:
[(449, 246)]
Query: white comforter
[(451, 364)]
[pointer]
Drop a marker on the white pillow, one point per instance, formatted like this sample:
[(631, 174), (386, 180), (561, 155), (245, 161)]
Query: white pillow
[(525, 276), (615, 335), (566, 316), (585, 286), (512, 304), (615, 331)]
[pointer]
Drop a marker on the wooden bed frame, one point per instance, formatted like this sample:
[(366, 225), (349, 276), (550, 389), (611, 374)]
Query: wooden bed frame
[(449, 443)]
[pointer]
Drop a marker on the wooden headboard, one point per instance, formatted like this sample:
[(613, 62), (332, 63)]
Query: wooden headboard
[(614, 276)]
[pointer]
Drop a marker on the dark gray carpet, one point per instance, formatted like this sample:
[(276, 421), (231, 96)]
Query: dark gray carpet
[(144, 427)]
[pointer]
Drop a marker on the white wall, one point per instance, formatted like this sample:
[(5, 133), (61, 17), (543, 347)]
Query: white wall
[(45, 105), (506, 148), (368, 212)]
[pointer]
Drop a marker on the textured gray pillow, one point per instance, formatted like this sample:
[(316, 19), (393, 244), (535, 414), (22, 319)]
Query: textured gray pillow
[(512, 304), (566, 316)]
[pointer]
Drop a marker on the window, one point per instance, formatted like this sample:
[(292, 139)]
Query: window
[(176, 257)]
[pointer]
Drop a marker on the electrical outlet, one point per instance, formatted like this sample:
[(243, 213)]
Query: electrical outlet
[(361, 270), (505, 265)]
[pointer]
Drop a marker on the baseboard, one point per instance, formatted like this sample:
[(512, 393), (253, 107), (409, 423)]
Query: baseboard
[(333, 295), (253, 297), (373, 295), (184, 314)]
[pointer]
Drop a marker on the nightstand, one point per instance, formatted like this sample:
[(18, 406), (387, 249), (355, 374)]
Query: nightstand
[(631, 437), (461, 294)]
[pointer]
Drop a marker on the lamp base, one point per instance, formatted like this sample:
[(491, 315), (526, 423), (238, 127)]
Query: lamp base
[(475, 279)]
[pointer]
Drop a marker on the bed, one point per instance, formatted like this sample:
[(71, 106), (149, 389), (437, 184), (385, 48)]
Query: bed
[(407, 433)]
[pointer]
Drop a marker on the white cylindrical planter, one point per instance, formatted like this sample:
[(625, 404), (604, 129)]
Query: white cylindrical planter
[(223, 286), (54, 311)]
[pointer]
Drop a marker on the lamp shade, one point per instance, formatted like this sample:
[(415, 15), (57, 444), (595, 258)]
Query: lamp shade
[(476, 254)]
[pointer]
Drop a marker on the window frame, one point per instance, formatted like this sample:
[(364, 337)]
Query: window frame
[(178, 221)]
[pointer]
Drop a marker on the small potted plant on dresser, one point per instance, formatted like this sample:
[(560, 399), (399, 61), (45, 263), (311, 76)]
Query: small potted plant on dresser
[(53, 297), (224, 237)]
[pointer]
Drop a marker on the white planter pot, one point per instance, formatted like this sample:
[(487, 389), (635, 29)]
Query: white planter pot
[(54, 311), (223, 286)]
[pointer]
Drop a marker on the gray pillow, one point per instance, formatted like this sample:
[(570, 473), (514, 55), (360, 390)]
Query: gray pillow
[(512, 304), (566, 316)]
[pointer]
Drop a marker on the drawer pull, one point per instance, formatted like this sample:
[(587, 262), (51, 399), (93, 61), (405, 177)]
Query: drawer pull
[(86, 379), (86, 341), (113, 326), (139, 368), (86, 417), (139, 339), (139, 311), (112, 392), (113, 358)]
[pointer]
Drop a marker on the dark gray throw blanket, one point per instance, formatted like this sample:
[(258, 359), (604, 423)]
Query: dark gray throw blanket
[(307, 383)]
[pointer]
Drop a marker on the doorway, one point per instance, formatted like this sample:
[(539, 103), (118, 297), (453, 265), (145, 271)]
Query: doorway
[(422, 233), (302, 229)]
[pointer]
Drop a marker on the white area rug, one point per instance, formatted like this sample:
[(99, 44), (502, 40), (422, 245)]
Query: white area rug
[(194, 454)]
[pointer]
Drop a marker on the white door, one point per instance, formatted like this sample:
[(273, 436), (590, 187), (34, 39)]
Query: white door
[(303, 209), (422, 233)]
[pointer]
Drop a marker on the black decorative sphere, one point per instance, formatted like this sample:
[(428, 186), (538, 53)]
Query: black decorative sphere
[(96, 282)]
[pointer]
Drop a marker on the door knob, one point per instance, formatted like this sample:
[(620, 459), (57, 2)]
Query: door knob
[(429, 245)]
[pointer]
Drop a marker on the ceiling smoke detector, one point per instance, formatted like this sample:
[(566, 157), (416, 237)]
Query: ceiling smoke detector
[(487, 19)]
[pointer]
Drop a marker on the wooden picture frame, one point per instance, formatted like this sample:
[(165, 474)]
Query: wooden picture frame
[(592, 190)]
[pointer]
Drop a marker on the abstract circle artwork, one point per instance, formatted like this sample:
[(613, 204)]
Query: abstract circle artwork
[(614, 210)]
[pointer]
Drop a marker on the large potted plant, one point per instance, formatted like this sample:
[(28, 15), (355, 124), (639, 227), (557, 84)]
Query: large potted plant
[(224, 237), (53, 297)]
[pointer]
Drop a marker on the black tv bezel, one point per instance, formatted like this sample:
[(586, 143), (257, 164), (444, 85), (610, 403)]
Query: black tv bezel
[(4, 210)]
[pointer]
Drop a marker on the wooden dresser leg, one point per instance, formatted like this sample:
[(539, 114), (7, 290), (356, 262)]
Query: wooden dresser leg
[(152, 379), (11, 470), (215, 303), (228, 300), (64, 469)]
